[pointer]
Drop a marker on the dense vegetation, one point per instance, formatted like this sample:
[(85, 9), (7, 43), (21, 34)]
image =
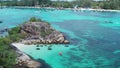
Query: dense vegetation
[(7, 54), (15, 35), (25, 2), (104, 4)]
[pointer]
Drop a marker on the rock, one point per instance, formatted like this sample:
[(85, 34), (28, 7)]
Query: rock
[(0, 21), (41, 45), (66, 45), (49, 48), (42, 33), (43, 41), (61, 39), (66, 42), (33, 64), (60, 35), (45, 45), (37, 48), (24, 61), (49, 41)]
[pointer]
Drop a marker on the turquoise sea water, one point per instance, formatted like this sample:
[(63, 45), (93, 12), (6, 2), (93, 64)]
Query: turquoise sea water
[(94, 37)]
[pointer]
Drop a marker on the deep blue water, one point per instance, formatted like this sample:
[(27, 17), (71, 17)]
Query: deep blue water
[(94, 36)]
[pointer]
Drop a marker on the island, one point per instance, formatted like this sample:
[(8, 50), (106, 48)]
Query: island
[(41, 33), (35, 31)]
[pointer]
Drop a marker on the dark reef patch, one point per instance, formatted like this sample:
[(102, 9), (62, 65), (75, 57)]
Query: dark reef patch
[(1, 21), (44, 64)]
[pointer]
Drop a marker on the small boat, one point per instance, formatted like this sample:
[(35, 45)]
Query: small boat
[(60, 53)]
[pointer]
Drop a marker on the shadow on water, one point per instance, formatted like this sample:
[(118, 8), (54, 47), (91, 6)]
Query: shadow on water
[(44, 64)]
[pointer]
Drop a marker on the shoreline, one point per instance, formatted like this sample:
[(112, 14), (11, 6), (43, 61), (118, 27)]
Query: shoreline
[(24, 59), (44, 55), (61, 8), (91, 9)]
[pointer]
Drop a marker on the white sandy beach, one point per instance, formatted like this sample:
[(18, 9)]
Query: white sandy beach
[(51, 57), (25, 58), (61, 8)]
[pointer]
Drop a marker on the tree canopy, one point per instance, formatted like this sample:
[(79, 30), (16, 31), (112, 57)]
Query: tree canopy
[(104, 4)]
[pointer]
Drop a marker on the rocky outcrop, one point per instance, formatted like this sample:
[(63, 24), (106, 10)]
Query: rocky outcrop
[(41, 33), (23, 60)]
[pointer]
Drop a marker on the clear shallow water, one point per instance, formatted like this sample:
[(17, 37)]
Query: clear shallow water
[(94, 41)]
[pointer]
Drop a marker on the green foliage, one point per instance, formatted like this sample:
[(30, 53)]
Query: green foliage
[(104, 4), (15, 35), (25, 2), (7, 54), (39, 20), (45, 33), (62, 4), (14, 30), (34, 19)]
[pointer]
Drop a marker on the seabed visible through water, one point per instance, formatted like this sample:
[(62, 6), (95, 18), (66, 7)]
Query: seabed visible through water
[(94, 37)]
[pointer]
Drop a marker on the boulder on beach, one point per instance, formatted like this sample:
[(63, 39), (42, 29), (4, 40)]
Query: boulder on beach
[(66, 42), (24, 61)]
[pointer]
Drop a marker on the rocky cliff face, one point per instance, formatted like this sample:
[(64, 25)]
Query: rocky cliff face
[(42, 33)]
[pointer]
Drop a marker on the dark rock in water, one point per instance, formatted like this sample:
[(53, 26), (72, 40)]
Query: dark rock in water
[(74, 49), (44, 64), (109, 22), (66, 45), (50, 45), (37, 48), (49, 48), (41, 45), (1, 22)]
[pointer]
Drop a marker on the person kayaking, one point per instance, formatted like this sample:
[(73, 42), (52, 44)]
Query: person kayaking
[(60, 53)]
